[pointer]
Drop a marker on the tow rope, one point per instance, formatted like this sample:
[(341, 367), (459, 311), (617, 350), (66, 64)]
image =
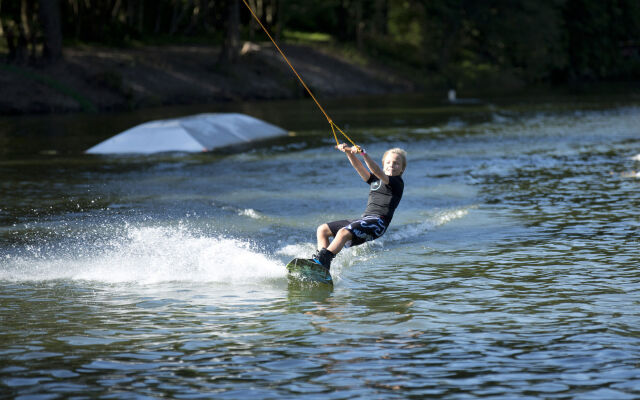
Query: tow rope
[(333, 125)]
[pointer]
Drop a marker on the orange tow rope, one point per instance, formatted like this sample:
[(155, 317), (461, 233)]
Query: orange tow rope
[(331, 123)]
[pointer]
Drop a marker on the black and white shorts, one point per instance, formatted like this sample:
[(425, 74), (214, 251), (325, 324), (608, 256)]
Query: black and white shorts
[(363, 230)]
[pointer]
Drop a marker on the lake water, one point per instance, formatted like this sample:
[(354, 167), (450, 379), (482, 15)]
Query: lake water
[(511, 269)]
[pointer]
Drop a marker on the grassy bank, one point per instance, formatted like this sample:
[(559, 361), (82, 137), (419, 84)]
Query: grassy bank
[(166, 72)]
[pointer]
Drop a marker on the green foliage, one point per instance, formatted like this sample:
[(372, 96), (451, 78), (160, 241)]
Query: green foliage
[(306, 37), (404, 24), (313, 16), (452, 43), (3, 45), (603, 39)]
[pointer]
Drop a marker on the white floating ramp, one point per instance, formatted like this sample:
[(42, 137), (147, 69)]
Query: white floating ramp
[(196, 133)]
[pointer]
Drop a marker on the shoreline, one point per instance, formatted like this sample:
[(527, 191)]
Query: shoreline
[(93, 79)]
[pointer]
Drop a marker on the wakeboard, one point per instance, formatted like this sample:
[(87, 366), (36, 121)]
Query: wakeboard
[(307, 270)]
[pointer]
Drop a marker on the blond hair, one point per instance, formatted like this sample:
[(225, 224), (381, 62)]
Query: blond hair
[(398, 151)]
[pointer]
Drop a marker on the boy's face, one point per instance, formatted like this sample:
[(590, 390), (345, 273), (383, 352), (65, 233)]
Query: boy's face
[(392, 164)]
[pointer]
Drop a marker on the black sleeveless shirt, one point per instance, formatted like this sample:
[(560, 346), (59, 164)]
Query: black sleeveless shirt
[(383, 198)]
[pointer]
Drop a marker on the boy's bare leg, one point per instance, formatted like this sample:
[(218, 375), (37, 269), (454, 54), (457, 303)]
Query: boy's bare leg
[(323, 234), (340, 240)]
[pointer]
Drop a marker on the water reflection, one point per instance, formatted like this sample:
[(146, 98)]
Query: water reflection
[(509, 271)]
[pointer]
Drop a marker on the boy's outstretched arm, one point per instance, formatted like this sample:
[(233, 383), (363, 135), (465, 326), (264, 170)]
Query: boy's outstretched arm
[(375, 169), (357, 164)]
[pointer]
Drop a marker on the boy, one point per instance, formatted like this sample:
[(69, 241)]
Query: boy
[(386, 187)]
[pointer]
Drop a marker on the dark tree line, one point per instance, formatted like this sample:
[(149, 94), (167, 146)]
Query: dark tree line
[(536, 40), (27, 25)]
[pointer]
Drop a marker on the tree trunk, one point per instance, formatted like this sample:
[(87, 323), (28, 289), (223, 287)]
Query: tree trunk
[(183, 12), (342, 15), (253, 25), (281, 18), (359, 26), (131, 12), (196, 15), (141, 18), (231, 45), (379, 25), (206, 15), (32, 36), (159, 11), (20, 36), (12, 44), (76, 17), (51, 28), (116, 9)]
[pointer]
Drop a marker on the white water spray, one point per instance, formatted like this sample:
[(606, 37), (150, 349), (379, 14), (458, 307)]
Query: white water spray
[(148, 255)]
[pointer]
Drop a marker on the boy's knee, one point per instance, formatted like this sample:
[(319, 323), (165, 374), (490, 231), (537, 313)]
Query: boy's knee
[(344, 232), (324, 230)]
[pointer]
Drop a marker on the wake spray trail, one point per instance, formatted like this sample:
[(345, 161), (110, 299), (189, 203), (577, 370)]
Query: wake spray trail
[(434, 221), (145, 255)]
